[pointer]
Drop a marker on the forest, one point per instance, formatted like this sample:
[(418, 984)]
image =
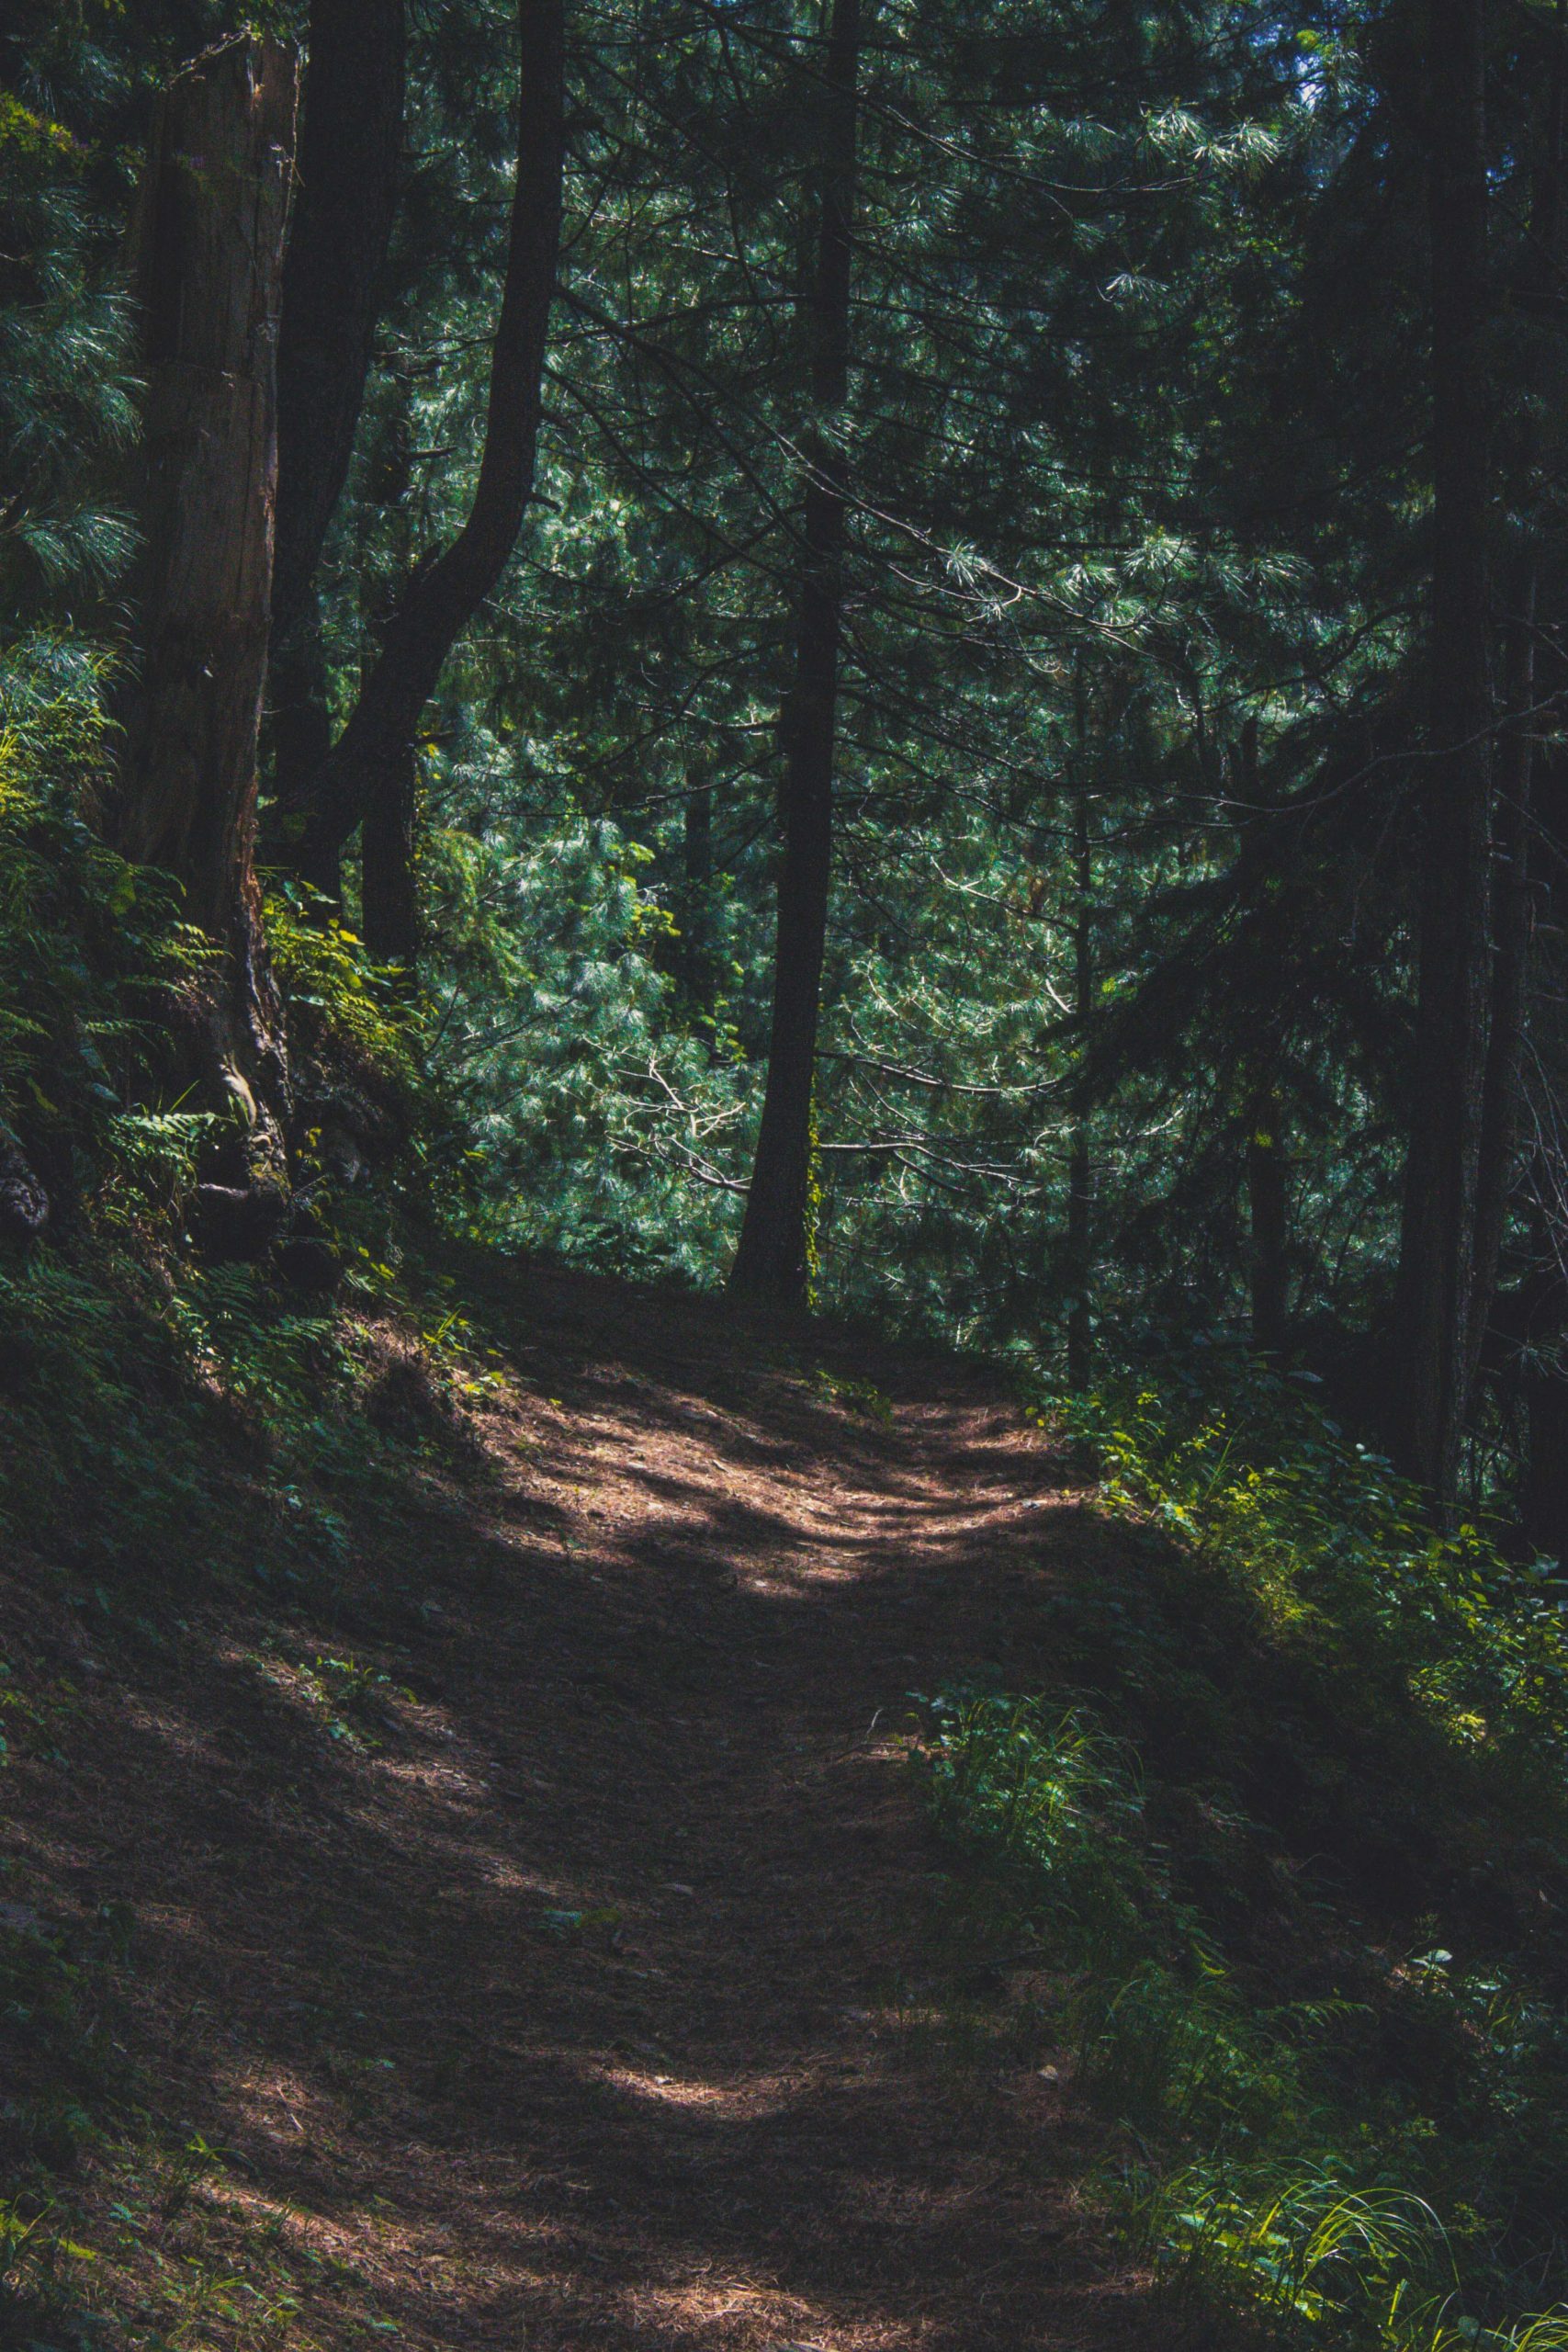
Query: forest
[(783, 1175)]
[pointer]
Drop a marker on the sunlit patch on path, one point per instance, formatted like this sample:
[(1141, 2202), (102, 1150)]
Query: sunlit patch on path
[(548, 1935)]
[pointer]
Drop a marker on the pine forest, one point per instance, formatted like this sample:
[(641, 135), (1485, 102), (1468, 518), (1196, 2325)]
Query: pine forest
[(783, 1175)]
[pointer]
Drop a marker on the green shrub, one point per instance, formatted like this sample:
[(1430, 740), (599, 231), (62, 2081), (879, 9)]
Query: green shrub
[(90, 952), (339, 1003), (1053, 1804), (1329, 2139), (1332, 1551)]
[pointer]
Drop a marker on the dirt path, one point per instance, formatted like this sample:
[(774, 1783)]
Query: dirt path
[(581, 1998)]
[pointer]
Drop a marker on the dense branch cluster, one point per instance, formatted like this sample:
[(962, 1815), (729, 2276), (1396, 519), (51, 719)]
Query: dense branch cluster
[(931, 639)]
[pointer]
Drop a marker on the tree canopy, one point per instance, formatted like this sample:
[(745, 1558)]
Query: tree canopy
[(985, 578)]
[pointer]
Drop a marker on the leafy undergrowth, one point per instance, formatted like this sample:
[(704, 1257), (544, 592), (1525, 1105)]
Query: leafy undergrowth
[(180, 1443), (1293, 1845)]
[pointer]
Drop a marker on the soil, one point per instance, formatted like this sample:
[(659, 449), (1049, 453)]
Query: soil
[(590, 1980)]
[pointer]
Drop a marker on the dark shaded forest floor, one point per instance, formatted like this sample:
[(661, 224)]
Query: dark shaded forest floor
[(539, 1942)]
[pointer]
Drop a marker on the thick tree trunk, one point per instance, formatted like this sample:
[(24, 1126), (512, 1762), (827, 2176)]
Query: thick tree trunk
[(443, 596), (1437, 1243), (772, 1261), (207, 263)]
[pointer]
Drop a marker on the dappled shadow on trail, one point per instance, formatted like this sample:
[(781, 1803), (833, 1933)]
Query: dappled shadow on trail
[(571, 1986)]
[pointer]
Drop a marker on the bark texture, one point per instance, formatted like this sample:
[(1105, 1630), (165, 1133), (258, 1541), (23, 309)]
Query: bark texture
[(1268, 1163), (1269, 1204), (1437, 1299), (1511, 928), (1544, 1508), (772, 1261), (697, 958), (300, 731), (207, 271), (389, 866), (346, 201), (1514, 818), (1080, 1158), (443, 596)]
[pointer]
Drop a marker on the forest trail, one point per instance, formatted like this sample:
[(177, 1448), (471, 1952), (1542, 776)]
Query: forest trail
[(583, 1984)]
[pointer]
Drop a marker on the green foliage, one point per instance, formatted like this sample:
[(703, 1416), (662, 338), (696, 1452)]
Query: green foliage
[(1129, 688), (1299, 2247), (1265, 2183), (142, 1407), (92, 1459), (1052, 1800), (65, 393), (1076, 584), (361, 1693), (1335, 1556), (859, 1395), (340, 1004), (90, 953), (1336, 2133), (597, 1123)]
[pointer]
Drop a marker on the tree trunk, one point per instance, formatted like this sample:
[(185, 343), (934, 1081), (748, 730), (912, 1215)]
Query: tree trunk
[(1437, 1242), (389, 872), (300, 730), (772, 1261), (1269, 1202), (350, 149), (1268, 1169), (207, 268), (696, 897), (389, 839), (443, 596), (1081, 1161), (334, 272), (1513, 822), (1546, 1494), (1510, 958)]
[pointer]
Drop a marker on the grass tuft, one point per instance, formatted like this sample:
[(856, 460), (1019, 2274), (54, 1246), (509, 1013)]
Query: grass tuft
[(1334, 2054)]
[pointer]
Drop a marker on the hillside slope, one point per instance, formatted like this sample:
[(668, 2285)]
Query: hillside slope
[(533, 1936)]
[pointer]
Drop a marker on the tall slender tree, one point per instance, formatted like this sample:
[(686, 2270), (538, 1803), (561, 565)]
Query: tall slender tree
[(371, 767), (1081, 1149), (1438, 1300), (1268, 1169), (1512, 911), (346, 201), (772, 1257)]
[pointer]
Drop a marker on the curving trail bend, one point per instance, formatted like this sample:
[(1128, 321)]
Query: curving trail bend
[(591, 1986)]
